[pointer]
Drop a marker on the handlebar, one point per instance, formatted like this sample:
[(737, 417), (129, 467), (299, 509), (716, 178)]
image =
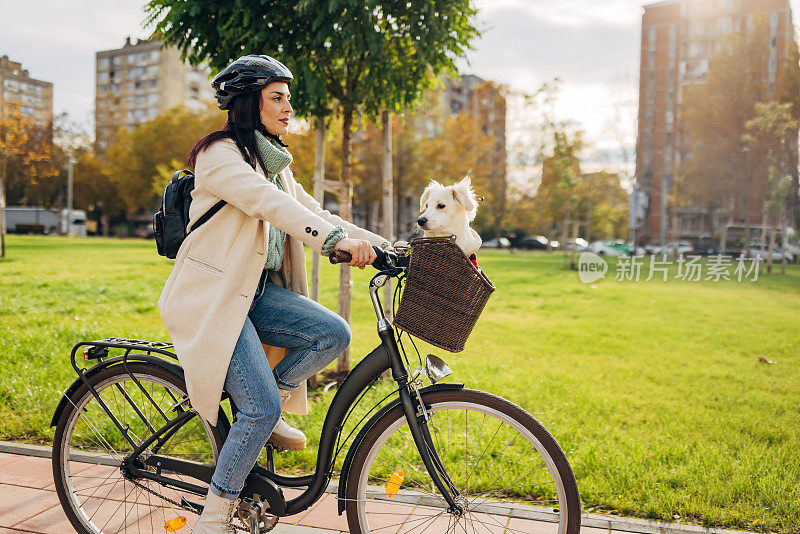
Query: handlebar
[(383, 262)]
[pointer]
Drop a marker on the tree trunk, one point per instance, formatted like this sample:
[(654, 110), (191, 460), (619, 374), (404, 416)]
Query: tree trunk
[(319, 195), (771, 247), (565, 234), (387, 199), (345, 212), (589, 224), (763, 242), (784, 225), (3, 167)]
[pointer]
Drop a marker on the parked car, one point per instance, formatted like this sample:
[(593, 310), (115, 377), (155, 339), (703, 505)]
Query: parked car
[(777, 253), (614, 247), (502, 242), (580, 244), (610, 247), (539, 242), (681, 247)]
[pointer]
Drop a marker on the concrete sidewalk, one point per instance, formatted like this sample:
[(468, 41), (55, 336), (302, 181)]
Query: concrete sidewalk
[(28, 503)]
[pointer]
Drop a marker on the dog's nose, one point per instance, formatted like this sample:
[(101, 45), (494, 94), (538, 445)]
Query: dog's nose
[(422, 221)]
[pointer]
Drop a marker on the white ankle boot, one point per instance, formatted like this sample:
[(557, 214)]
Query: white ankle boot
[(217, 515), (286, 436)]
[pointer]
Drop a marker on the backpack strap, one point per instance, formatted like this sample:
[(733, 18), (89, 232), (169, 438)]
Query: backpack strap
[(207, 215)]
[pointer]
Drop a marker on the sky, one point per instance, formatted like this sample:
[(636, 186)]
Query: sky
[(592, 46)]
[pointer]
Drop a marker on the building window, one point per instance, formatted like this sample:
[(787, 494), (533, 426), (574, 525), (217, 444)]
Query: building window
[(154, 55), (102, 63), (724, 25), (651, 36), (103, 76), (673, 33), (672, 53), (651, 56), (152, 99), (116, 60), (773, 20), (773, 65), (153, 70), (774, 42), (153, 83)]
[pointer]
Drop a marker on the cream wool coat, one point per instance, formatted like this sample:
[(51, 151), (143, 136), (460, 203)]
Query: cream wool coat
[(208, 294)]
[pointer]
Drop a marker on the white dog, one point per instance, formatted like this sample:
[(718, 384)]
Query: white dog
[(448, 210)]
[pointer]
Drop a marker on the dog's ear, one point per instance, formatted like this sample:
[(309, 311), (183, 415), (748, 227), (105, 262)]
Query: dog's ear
[(464, 195), (424, 198)]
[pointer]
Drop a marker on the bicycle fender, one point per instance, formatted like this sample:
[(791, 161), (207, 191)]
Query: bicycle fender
[(117, 360), (351, 451)]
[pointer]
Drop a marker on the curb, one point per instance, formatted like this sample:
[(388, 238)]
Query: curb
[(605, 522)]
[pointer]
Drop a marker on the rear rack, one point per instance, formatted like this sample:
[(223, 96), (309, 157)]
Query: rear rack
[(98, 349)]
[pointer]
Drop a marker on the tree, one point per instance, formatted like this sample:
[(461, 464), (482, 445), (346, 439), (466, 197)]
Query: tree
[(561, 175), (603, 203), (770, 136), (133, 158), (96, 192), (790, 93), (19, 144), (350, 56)]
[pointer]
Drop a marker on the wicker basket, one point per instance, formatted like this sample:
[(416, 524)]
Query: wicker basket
[(444, 294)]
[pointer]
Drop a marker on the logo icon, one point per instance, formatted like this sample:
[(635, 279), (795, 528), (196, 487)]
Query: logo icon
[(591, 267)]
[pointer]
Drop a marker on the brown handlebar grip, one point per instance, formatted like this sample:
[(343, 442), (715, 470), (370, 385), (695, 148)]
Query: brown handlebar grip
[(340, 256)]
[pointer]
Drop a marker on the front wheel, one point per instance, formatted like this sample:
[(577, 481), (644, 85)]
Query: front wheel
[(505, 465)]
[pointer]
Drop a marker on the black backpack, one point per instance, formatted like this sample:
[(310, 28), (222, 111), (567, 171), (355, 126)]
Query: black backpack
[(170, 222)]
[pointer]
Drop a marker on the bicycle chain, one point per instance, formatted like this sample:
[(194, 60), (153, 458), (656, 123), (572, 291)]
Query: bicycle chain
[(179, 505)]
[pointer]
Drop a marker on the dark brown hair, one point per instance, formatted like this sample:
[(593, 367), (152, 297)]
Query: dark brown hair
[(244, 118)]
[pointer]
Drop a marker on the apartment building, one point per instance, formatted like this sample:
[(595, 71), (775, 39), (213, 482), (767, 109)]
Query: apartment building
[(138, 81), (678, 39), (35, 97)]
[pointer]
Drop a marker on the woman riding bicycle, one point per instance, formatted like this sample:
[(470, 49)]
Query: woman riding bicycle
[(240, 279)]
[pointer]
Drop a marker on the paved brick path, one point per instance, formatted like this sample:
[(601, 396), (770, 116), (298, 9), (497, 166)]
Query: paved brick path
[(28, 503)]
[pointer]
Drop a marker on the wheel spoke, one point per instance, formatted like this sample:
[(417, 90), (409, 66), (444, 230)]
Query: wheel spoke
[(503, 463), (101, 492)]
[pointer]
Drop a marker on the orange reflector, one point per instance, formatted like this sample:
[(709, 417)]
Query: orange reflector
[(395, 481), (174, 525)]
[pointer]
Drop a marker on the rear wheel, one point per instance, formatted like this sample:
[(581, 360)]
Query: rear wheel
[(503, 462), (88, 451)]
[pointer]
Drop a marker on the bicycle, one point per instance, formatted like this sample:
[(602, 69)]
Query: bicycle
[(129, 452)]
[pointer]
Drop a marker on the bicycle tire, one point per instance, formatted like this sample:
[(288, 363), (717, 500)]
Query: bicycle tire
[(388, 449), (93, 492)]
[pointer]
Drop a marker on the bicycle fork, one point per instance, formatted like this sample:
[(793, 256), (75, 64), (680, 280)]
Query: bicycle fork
[(414, 408), (417, 416)]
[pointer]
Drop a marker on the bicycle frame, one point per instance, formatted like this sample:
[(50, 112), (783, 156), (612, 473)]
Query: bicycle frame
[(266, 483)]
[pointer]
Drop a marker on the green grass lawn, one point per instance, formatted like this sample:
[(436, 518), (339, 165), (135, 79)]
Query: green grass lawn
[(653, 389)]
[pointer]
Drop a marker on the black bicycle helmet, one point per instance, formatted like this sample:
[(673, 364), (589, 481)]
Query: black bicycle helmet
[(247, 74)]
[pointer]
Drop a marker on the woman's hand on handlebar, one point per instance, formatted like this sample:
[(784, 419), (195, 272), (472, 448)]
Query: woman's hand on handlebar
[(360, 250)]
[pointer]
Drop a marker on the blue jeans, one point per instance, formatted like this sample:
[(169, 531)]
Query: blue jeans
[(314, 337)]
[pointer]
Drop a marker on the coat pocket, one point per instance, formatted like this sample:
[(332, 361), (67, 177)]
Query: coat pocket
[(206, 266)]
